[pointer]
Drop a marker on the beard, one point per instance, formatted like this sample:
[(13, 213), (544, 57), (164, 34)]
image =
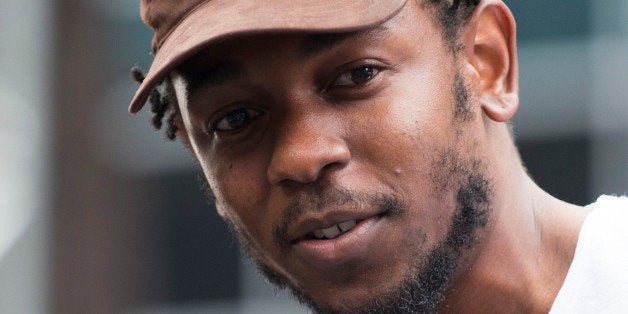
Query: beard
[(425, 284)]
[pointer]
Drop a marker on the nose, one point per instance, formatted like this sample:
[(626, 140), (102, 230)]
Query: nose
[(303, 152)]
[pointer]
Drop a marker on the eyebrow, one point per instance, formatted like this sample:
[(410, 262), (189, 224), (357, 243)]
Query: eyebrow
[(316, 44), (207, 77), (226, 71)]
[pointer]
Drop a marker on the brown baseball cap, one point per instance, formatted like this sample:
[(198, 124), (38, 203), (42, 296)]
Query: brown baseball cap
[(184, 27)]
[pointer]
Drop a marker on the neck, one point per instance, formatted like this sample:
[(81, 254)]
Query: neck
[(523, 254)]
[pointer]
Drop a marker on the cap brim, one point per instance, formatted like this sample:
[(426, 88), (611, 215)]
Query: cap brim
[(222, 18)]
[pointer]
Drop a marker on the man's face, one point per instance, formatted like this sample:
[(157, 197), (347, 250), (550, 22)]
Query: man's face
[(348, 164)]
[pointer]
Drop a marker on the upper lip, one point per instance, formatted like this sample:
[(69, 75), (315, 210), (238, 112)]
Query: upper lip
[(313, 221)]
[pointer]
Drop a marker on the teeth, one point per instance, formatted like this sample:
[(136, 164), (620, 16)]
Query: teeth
[(334, 231), (347, 225), (331, 232), (319, 234)]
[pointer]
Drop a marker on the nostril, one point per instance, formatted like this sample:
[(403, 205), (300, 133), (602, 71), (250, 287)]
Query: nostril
[(302, 155), (333, 166)]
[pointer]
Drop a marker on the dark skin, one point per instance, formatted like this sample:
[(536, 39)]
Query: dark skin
[(373, 113)]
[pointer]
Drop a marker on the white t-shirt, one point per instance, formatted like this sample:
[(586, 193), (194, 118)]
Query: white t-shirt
[(597, 280)]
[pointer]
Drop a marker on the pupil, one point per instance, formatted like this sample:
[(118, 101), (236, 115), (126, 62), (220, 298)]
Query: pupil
[(363, 73), (237, 118)]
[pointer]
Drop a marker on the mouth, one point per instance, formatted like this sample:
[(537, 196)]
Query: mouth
[(331, 226), (333, 231), (335, 240)]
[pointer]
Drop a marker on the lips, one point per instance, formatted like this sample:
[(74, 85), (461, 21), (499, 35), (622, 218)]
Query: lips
[(344, 231), (333, 231), (331, 225), (330, 244)]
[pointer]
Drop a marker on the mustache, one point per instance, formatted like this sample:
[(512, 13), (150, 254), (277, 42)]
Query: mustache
[(320, 199)]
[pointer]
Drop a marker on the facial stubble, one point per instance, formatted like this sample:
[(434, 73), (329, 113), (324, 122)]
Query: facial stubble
[(424, 286), (423, 289)]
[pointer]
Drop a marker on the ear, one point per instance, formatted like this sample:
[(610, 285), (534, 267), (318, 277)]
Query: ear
[(182, 133), (491, 57)]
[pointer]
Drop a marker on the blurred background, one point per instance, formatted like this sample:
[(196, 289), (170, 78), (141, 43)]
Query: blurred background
[(99, 215)]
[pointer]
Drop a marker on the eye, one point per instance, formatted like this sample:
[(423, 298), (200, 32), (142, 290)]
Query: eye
[(358, 76), (235, 120)]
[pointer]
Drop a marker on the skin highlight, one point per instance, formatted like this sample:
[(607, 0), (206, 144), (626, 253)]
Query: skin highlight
[(439, 147)]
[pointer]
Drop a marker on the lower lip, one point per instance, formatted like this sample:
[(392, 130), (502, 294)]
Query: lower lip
[(329, 253)]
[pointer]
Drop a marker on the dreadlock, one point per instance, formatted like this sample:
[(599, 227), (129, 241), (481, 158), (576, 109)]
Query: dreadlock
[(160, 105)]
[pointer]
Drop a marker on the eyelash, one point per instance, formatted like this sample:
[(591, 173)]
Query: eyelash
[(365, 77), (376, 69), (251, 115)]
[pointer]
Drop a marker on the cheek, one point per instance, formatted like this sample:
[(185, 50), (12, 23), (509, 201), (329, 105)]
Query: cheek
[(403, 146), (240, 187), (239, 184), (414, 122)]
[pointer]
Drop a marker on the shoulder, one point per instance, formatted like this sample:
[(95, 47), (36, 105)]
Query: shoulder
[(608, 218), (605, 202), (599, 270)]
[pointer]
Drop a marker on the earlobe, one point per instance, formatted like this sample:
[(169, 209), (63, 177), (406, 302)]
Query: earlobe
[(500, 108), (491, 54)]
